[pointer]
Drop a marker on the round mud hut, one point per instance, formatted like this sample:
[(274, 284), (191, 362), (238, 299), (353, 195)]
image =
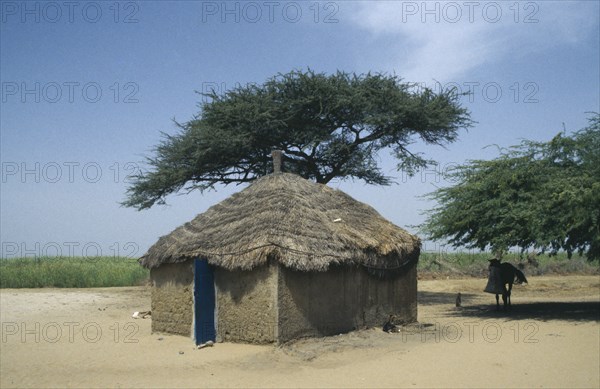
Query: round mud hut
[(282, 259)]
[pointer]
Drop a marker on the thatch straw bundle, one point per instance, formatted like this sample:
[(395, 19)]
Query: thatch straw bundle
[(283, 217)]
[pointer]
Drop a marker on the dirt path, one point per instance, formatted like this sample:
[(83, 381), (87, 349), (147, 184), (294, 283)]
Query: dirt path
[(87, 338)]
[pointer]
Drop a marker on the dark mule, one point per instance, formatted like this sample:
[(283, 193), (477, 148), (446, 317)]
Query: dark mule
[(508, 276)]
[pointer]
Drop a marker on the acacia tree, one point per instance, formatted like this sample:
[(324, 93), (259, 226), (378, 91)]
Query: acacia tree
[(327, 125), (539, 195)]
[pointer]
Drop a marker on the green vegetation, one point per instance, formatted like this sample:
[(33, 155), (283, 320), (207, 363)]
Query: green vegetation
[(79, 272), (465, 264), (543, 196), (71, 272), (328, 126)]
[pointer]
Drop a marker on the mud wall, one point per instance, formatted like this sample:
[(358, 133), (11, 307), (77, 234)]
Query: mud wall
[(341, 300), (397, 296), (172, 298), (275, 304), (247, 304)]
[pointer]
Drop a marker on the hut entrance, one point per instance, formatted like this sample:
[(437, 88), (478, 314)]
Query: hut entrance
[(204, 302)]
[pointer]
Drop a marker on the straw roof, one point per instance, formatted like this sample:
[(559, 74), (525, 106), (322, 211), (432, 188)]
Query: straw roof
[(283, 217)]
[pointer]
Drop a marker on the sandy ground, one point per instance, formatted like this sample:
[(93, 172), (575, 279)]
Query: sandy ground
[(87, 338)]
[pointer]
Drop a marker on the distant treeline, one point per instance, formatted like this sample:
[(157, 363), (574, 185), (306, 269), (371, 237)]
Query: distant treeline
[(71, 272)]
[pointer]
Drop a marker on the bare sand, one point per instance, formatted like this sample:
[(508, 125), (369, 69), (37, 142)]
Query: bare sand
[(87, 338)]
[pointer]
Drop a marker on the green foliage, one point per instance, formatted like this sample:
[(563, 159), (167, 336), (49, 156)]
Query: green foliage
[(475, 264), (539, 195), (71, 272), (328, 126)]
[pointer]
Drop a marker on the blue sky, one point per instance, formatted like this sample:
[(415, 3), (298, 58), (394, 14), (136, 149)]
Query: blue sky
[(87, 87)]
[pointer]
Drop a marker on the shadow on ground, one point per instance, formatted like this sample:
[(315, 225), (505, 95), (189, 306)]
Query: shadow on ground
[(543, 311), (563, 310), (441, 298)]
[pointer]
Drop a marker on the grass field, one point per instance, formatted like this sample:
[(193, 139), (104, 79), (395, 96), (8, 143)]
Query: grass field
[(476, 264), (71, 272), (91, 272)]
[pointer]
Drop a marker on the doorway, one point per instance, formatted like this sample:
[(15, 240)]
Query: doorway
[(204, 302)]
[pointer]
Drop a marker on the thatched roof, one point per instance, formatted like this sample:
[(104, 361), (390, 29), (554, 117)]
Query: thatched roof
[(283, 217)]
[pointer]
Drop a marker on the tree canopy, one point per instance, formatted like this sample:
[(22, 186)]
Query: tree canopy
[(329, 126), (539, 195)]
